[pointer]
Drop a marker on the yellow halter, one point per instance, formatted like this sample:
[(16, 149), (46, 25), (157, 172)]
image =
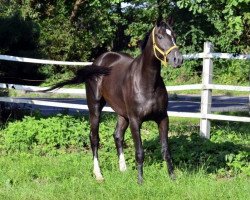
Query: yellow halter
[(164, 54)]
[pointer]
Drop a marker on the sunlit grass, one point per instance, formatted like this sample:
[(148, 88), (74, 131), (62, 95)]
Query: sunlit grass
[(205, 169), (69, 176)]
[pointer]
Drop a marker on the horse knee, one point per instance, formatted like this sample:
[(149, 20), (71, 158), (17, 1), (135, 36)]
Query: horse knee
[(118, 139)]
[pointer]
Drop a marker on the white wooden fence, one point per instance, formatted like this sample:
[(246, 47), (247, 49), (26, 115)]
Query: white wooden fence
[(206, 88)]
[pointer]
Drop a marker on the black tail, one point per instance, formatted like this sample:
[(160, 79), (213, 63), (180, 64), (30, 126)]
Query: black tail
[(82, 75)]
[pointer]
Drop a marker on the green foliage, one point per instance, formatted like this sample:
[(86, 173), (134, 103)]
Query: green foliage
[(226, 154), (185, 74), (208, 168), (232, 73), (236, 159), (17, 34), (82, 30), (69, 176), (45, 135), (19, 37), (229, 20)]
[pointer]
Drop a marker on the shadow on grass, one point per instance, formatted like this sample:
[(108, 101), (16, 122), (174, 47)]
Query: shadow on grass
[(194, 152)]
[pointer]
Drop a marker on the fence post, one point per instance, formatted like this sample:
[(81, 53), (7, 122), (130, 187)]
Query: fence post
[(206, 94)]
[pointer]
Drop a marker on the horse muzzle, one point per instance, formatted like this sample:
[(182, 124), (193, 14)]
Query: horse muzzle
[(175, 59)]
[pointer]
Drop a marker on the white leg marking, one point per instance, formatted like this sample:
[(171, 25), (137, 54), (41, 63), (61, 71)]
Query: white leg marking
[(122, 163), (97, 171)]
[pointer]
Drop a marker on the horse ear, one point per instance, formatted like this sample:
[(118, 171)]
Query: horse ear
[(170, 21), (158, 22)]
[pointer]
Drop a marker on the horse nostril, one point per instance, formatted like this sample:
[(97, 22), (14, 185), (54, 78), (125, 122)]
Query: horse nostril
[(179, 60), (175, 60)]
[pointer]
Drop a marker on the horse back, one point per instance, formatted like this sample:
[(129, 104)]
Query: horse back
[(113, 59)]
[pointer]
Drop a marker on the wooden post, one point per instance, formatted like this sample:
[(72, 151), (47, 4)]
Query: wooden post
[(249, 104), (206, 94)]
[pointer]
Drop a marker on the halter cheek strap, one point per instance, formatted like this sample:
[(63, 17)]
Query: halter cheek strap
[(157, 49)]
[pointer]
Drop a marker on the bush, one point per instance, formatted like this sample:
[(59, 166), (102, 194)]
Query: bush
[(232, 72), (45, 135), (186, 74)]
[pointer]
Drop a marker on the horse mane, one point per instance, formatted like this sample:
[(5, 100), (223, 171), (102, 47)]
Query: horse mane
[(143, 43)]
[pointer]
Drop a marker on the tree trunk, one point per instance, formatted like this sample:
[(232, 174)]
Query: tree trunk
[(75, 9)]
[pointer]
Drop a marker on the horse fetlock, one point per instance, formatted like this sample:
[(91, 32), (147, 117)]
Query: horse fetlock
[(140, 178), (140, 173), (97, 170), (122, 163)]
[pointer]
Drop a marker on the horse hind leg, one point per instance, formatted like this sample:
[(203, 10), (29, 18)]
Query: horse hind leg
[(121, 126), (94, 115)]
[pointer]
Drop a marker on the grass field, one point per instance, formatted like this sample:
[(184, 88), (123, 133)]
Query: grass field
[(206, 169), (69, 177)]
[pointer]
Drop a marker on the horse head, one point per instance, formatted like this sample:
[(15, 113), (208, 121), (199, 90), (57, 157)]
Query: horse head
[(164, 44)]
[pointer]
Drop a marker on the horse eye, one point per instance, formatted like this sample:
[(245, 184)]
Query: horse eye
[(160, 36)]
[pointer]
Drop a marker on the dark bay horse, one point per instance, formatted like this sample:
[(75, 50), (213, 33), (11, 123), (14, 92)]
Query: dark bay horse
[(134, 88)]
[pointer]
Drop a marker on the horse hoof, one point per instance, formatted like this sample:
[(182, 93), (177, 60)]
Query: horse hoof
[(99, 179), (98, 176), (123, 168), (173, 177), (140, 182)]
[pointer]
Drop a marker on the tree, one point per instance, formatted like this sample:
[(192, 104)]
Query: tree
[(230, 22), (81, 30), (19, 37)]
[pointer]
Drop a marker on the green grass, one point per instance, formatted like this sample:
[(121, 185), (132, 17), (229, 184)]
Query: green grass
[(43, 158), (69, 176)]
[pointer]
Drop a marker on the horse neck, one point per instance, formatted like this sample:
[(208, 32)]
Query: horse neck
[(151, 66)]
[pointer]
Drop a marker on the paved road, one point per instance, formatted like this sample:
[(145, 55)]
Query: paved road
[(179, 103)]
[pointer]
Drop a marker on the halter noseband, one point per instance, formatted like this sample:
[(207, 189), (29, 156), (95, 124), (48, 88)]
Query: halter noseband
[(164, 54)]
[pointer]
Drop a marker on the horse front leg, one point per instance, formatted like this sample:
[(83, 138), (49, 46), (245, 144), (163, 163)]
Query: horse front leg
[(121, 126), (135, 126), (163, 126)]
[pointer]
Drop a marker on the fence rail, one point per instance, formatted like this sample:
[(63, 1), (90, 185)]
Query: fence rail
[(40, 61), (206, 87), (29, 88), (217, 55)]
